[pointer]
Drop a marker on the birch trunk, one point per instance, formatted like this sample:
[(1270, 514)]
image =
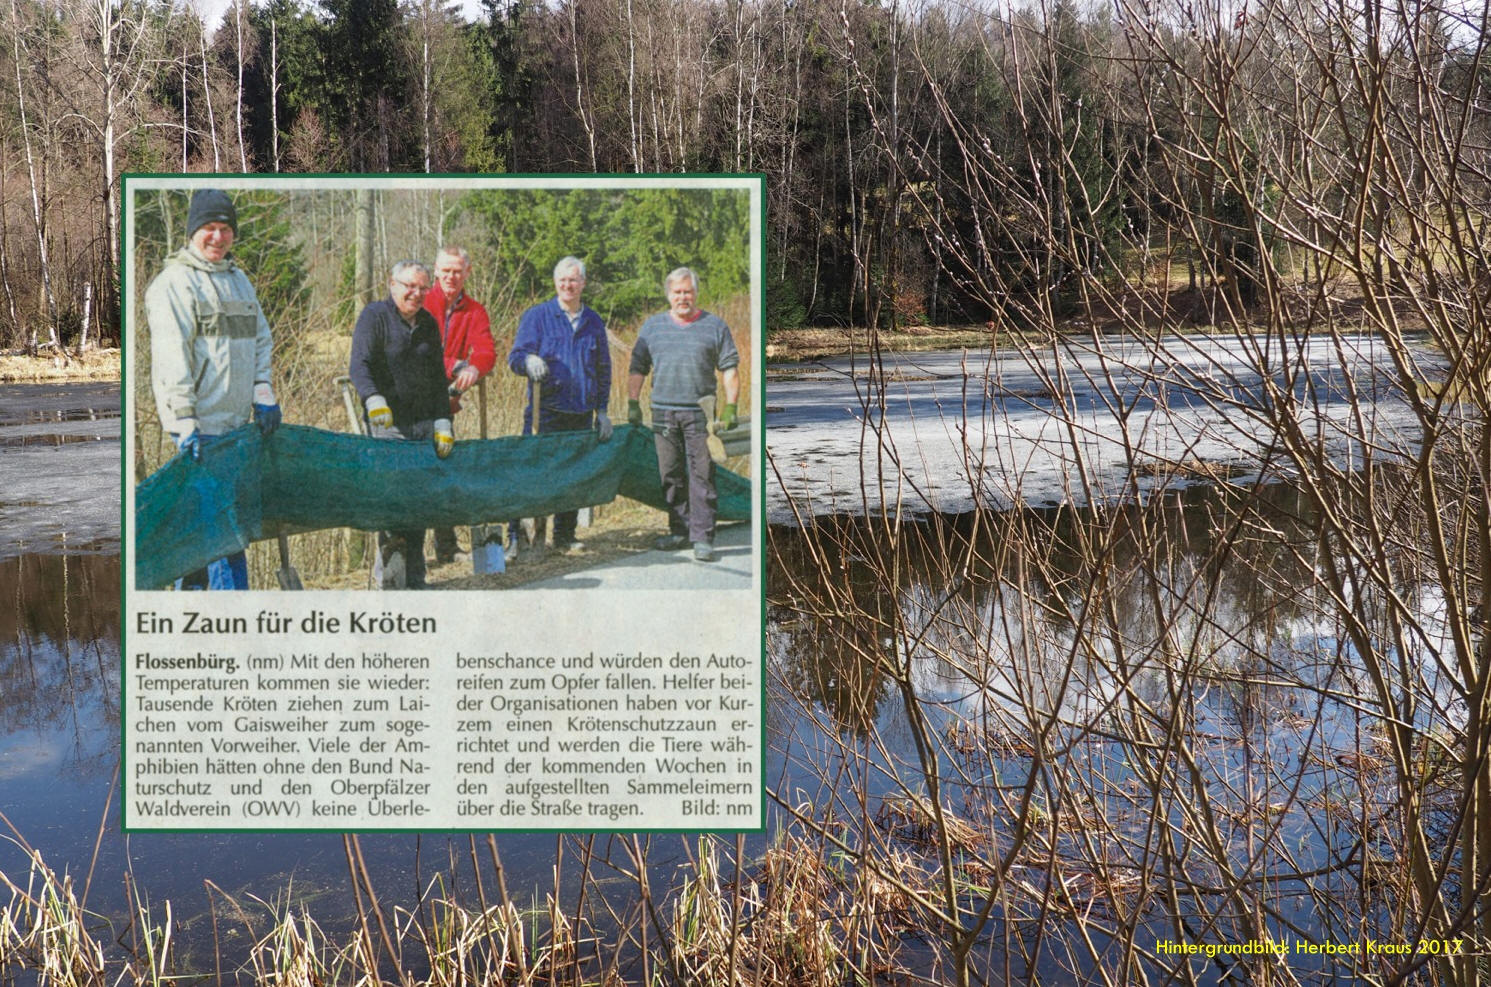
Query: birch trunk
[(38, 222)]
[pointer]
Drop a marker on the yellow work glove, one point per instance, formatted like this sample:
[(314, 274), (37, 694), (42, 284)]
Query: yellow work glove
[(379, 413), (445, 439)]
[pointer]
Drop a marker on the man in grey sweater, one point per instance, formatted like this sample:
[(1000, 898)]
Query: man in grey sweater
[(682, 348)]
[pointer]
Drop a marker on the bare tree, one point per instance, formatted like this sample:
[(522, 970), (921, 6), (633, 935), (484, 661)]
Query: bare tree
[(35, 180), (117, 58), (274, 92), (207, 87), (241, 55)]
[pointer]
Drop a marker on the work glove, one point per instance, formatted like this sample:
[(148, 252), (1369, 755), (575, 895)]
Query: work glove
[(445, 438), (190, 444), (727, 416), (603, 427), (634, 412), (465, 377), (535, 366), (266, 408), (379, 413)]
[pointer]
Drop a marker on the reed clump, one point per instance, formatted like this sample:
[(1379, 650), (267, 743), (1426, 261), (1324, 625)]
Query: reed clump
[(45, 931), (782, 918)]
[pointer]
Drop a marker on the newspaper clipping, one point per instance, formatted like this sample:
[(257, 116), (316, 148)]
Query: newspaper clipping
[(482, 547)]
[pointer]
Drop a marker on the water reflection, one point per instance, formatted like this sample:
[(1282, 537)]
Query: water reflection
[(59, 663), (1104, 679), (1093, 694), (1042, 609), (34, 404), (50, 439)]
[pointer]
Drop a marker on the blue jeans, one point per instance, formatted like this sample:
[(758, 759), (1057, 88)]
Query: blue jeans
[(230, 572)]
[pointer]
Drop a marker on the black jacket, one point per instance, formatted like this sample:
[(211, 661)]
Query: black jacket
[(406, 367)]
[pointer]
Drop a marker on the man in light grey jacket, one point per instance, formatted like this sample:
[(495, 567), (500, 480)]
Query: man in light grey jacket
[(210, 350)]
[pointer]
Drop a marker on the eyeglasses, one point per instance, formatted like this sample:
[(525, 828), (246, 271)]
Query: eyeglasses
[(412, 286)]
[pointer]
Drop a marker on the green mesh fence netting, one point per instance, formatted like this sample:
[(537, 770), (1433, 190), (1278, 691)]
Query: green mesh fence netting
[(247, 488)]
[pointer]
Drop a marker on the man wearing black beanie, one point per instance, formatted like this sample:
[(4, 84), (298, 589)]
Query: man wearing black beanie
[(210, 350)]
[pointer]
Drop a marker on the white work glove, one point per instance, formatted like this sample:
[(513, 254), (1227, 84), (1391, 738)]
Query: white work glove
[(603, 426), (445, 438), (535, 366), (378, 412)]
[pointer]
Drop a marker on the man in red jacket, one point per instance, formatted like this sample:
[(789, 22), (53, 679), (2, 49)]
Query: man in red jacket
[(469, 351)]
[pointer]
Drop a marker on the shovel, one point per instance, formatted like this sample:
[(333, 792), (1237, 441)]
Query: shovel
[(349, 401), (288, 577), (715, 443), (535, 528), (359, 427), (486, 539)]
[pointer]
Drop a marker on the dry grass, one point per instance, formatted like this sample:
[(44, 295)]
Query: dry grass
[(91, 365), (791, 345), (784, 921), (44, 930), (915, 819)]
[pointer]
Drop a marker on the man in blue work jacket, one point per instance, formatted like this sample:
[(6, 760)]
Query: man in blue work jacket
[(561, 347)]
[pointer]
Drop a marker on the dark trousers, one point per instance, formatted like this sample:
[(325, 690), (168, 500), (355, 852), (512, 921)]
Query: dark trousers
[(410, 541), (549, 420), (445, 544), (682, 439)]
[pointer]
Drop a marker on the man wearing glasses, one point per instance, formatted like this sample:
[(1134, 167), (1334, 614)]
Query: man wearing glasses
[(398, 368)]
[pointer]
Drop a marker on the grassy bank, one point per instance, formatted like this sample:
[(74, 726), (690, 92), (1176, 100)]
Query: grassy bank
[(782, 918), (91, 365)]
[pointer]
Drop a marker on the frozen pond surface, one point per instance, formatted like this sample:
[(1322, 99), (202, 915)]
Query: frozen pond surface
[(961, 430), (59, 467)]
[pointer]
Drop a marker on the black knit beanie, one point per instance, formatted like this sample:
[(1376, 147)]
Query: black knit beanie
[(210, 206)]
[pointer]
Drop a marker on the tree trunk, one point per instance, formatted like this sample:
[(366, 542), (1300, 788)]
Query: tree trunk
[(238, 13), (185, 101), (364, 245), (87, 313), (274, 93), (217, 164), (425, 99), (631, 88), (108, 25), (586, 120), (10, 297), (50, 300)]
